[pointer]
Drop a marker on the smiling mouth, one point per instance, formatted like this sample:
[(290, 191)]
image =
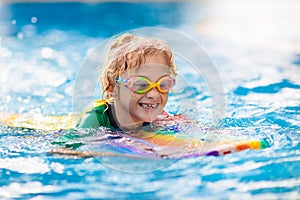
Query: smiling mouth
[(149, 105)]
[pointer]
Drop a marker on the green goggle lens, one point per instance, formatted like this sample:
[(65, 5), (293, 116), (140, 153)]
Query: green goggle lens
[(141, 85)]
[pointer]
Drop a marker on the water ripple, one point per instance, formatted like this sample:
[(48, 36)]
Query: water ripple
[(271, 88)]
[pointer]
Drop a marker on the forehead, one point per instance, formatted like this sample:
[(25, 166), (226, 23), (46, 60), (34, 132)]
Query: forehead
[(151, 71), (155, 66)]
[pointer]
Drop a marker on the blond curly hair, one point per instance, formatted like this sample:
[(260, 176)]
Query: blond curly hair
[(129, 51)]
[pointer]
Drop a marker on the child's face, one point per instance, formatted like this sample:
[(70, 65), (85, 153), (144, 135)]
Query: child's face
[(132, 108)]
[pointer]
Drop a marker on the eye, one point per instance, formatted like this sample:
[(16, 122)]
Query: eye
[(166, 84), (140, 84)]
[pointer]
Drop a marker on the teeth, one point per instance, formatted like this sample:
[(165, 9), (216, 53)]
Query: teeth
[(148, 106)]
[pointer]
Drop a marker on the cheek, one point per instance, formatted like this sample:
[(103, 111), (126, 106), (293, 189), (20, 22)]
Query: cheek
[(124, 96), (164, 98), (124, 92), (133, 99)]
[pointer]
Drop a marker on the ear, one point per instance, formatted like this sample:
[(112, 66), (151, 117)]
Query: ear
[(110, 88)]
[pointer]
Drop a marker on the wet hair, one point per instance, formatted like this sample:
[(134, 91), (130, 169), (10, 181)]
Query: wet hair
[(128, 51)]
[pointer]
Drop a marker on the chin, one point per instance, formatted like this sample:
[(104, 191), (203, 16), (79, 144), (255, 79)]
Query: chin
[(149, 117), (141, 114)]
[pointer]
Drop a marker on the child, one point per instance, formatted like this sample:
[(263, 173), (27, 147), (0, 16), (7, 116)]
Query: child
[(138, 75)]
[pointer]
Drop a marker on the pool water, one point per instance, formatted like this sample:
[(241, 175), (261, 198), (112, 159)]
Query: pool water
[(258, 62)]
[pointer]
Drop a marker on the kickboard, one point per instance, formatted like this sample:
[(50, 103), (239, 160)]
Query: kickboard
[(170, 143)]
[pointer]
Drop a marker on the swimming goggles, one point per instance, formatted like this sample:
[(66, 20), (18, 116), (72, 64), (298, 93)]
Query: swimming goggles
[(141, 85)]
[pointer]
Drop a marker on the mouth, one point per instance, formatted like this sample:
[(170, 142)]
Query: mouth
[(149, 105)]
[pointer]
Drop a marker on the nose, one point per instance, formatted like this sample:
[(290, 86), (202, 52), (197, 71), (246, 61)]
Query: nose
[(153, 93)]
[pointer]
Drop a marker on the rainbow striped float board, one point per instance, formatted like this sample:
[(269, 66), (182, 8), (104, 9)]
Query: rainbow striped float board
[(169, 142)]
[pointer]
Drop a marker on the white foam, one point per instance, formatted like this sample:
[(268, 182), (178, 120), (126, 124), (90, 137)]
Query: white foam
[(16, 190)]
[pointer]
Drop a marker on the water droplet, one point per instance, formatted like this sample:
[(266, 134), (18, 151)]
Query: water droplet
[(20, 36), (47, 52), (13, 22), (33, 20)]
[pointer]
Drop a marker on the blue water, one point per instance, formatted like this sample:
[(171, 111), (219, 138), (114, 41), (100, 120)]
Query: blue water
[(42, 47)]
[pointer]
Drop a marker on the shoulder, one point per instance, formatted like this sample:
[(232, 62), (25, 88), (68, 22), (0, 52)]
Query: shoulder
[(94, 116)]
